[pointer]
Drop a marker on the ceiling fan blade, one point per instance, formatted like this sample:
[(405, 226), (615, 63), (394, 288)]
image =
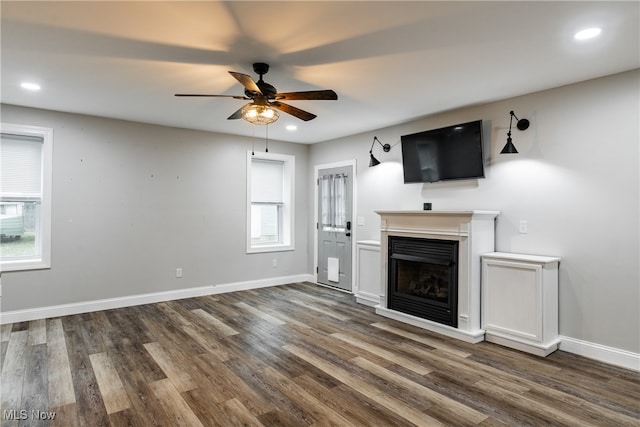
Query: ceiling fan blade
[(214, 96), (296, 112), (246, 81), (310, 95), (237, 114)]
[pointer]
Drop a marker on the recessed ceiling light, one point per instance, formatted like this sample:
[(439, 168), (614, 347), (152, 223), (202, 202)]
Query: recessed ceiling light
[(587, 33), (292, 127), (30, 86)]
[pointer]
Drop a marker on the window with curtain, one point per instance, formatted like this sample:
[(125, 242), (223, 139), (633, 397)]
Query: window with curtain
[(333, 190), (270, 197), (25, 189)]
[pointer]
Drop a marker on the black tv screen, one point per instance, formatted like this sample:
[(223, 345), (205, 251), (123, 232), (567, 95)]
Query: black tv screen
[(448, 153)]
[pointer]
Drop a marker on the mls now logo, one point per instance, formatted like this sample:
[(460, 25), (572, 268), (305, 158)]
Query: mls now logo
[(23, 414), (13, 414)]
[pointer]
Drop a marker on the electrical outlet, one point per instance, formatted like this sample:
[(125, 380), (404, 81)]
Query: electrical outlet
[(274, 263), (178, 273), (524, 226)]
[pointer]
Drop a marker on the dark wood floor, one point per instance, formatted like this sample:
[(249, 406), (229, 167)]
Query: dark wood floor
[(294, 355)]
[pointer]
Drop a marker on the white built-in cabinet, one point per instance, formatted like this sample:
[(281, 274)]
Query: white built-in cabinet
[(520, 301), (367, 287)]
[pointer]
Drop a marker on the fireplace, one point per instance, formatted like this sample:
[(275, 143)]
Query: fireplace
[(423, 278), (444, 274)]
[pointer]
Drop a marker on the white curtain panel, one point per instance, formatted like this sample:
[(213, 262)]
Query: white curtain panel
[(334, 189)]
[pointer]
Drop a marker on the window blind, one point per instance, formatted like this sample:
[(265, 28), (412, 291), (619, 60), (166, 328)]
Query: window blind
[(20, 166), (267, 181)]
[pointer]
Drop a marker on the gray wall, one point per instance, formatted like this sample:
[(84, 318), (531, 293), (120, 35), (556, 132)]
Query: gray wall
[(575, 181), (132, 202)]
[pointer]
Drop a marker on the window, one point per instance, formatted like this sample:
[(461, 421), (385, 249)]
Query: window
[(269, 202), (25, 197)]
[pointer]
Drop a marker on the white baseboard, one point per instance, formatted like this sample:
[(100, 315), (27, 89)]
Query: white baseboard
[(369, 299), (602, 353), (133, 300)]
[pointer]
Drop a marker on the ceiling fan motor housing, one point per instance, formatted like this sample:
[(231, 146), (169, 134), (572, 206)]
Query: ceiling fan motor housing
[(260, 68), (268, 91)]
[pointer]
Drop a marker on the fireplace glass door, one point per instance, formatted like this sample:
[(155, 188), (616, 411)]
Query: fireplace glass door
[(423, 278)]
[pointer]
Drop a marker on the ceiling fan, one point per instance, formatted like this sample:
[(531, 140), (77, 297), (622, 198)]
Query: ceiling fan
[(266, 99)]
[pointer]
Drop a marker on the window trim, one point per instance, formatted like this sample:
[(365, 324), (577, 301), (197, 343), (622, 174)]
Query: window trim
[(44, 260), (288, 222)]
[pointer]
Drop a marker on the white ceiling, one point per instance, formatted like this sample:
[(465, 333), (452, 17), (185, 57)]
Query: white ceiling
[(389, 62)]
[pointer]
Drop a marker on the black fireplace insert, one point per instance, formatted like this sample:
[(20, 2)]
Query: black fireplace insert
[(423, 278)]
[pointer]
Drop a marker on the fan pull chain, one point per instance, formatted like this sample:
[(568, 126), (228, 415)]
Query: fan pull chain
[(253, 139), (266, 150)]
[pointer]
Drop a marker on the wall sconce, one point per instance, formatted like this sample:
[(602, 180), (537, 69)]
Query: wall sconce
[(521, 124), (373, 161)]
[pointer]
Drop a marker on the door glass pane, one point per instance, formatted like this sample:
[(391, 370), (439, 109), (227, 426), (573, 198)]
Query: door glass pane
[(333, 193)]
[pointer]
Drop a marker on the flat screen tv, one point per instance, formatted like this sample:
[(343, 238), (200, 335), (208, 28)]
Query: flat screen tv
[(448, 153)]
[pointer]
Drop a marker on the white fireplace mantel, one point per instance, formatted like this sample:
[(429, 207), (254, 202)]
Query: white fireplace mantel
[(475, 232)]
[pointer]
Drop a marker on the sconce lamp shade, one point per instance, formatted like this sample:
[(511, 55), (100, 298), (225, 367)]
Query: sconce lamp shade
[(385, 147), (259, 114), (521, 124), (509, 148)]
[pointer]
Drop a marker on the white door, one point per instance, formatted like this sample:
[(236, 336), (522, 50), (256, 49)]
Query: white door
[(335, 189)]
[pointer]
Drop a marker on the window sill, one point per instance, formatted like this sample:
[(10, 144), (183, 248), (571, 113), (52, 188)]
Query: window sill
[(24, 265), (270, 248)]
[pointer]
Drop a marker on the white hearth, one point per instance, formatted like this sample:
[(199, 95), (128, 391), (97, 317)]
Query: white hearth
[(475, 232)]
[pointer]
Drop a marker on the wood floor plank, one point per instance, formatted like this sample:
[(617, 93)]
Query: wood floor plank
[(204, 407), (13, 372), (66, 416), (323, 414), (60, 381), (320, 310), (261, 314), (199, 334), (91, 409), (178, 376), (38, 332), (5, 332), (558, 416), (227, 381), (35, 380), (424, 339), (458, 413), (354, 407), (236, 414), (177, 410), (389, 402), (217, 324), (263, 387), (113, 393), (385, 354), (493, 375), (145, 405)]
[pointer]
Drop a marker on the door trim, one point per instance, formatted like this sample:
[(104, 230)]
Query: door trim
[(354, 213)]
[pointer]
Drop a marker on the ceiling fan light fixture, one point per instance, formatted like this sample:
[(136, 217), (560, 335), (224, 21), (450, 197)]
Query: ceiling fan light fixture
[(259, 114)]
